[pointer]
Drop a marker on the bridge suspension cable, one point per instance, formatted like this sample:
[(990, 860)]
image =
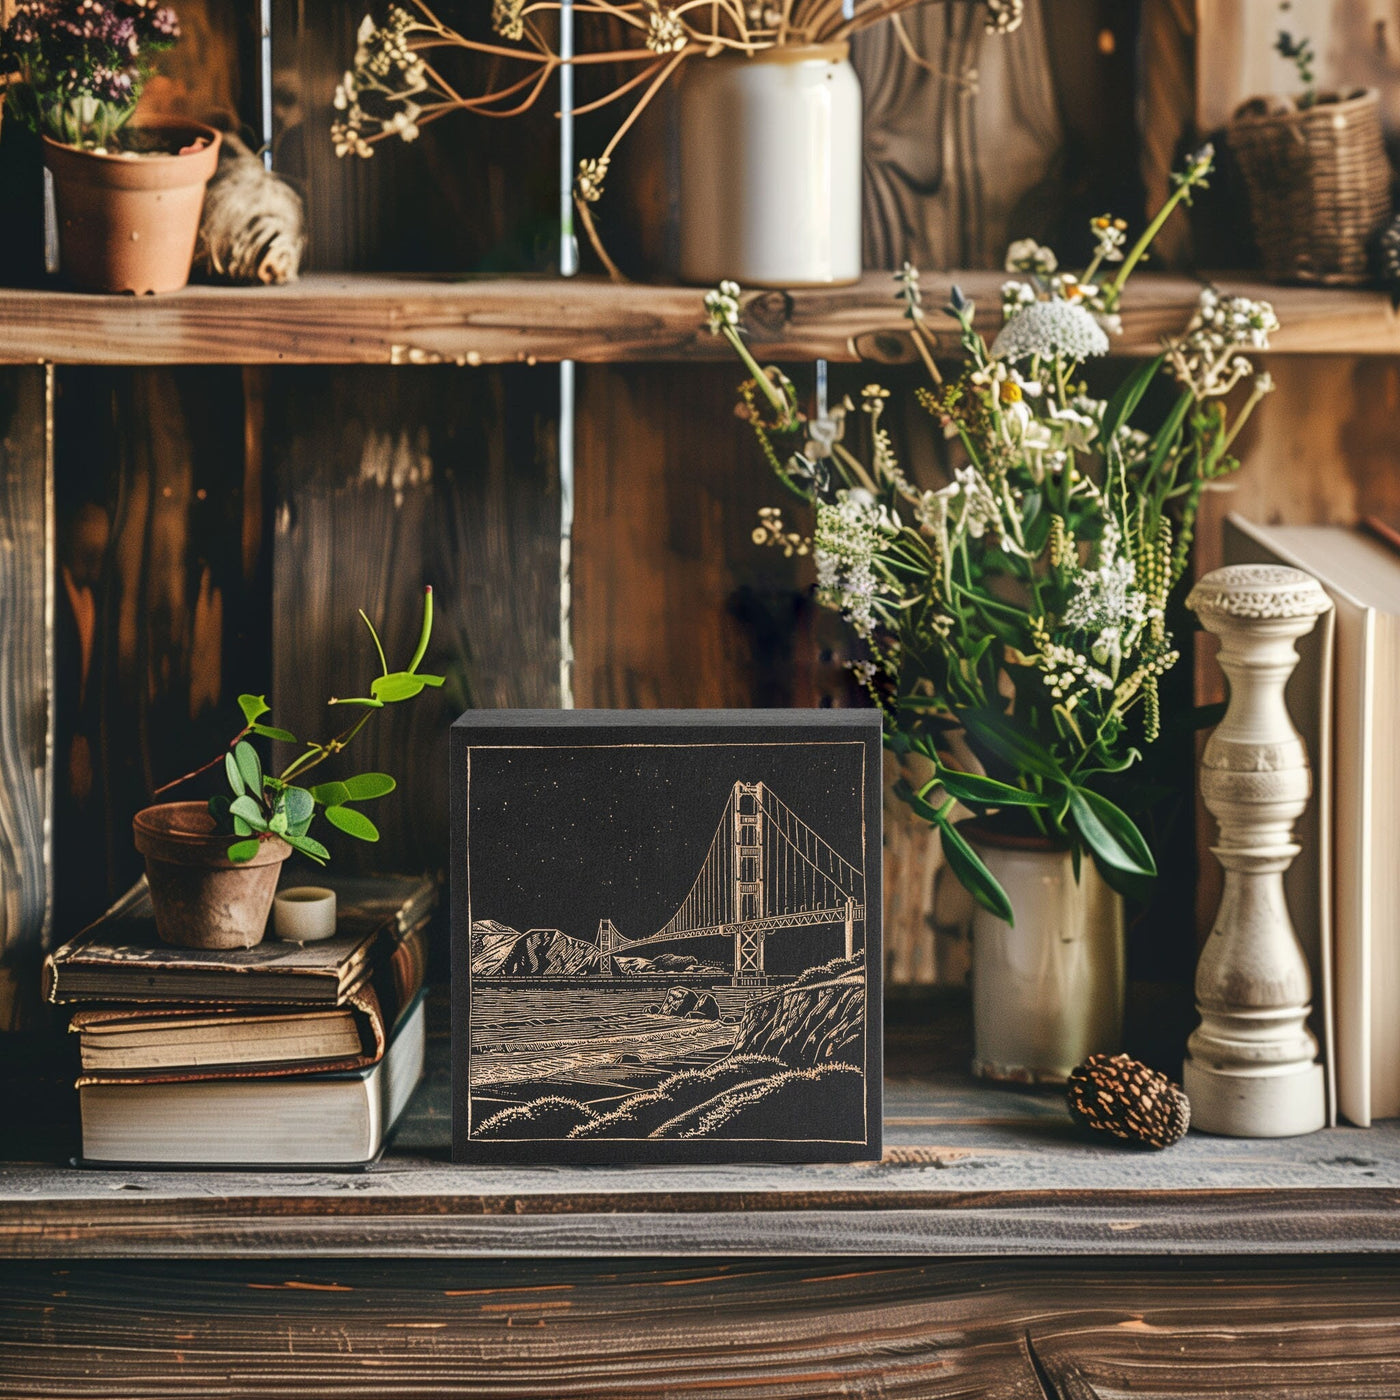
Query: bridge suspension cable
[(765, 867)]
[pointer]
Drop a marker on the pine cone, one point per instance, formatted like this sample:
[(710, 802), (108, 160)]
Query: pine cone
[(1118, 1095)]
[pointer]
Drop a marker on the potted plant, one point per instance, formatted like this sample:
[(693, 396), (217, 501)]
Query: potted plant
[(128, 196), (769, 125), (1014, 618), (213, 866), (1318, 179)]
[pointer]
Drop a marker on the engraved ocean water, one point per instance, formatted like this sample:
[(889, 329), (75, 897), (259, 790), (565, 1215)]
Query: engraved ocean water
[(602, 1034)]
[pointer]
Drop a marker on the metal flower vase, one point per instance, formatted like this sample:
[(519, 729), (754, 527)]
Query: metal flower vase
[(1047, 992)]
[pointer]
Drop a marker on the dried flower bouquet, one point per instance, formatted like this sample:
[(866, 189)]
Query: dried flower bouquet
[(1016, 616), (394, 88)]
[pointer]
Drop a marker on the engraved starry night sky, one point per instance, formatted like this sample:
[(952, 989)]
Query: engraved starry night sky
[(580, 834)]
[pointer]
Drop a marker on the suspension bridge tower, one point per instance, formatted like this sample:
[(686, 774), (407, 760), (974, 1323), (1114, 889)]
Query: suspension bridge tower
[(747, 821), (609, 941)]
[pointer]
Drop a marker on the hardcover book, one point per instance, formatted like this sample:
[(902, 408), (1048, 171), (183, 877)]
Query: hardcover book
[(666, 936), (119, 958), (317, 1120), (149, 1043)]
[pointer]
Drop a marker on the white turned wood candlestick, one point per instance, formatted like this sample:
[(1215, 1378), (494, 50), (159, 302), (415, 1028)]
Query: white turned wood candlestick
[(1252, 1068)]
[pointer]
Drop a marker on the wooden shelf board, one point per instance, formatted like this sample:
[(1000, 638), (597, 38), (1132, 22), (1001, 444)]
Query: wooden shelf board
[(328, 318), (969, 1170)]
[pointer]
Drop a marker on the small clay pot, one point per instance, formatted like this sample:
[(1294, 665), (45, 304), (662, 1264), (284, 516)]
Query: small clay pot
[(128, 223), (201, 898)]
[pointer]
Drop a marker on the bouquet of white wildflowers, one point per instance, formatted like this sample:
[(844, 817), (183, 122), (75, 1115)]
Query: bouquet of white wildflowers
[(1016, 616)]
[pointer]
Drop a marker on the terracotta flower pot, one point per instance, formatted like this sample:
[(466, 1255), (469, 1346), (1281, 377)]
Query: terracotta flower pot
[(201, 898), (128, 223)]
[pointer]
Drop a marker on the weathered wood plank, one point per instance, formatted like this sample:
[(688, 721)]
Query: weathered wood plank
[(1168, 105), (374, 319), (469, 194), (953, 149), (673, 603), (992, 1330), (968, 1170), (386, 482), (26, 687), (1045, 1225), (163, 594)]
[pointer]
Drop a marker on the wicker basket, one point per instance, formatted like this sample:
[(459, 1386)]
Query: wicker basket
[(1319, 184)]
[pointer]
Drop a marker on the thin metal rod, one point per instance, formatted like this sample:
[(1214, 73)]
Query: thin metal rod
[(568, 267), (265, 77)]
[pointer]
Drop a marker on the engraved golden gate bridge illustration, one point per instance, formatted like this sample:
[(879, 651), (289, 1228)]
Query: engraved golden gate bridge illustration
[(766, 872)]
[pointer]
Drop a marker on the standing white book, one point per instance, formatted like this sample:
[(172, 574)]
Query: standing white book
[(1359, 867)]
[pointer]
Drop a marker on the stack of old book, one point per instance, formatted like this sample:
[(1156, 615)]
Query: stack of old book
[(286, 1054)]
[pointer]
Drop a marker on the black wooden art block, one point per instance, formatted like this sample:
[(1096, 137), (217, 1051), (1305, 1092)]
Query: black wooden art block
[(666, 936)]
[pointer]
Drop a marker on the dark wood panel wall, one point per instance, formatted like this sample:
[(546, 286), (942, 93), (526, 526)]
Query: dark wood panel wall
[(163, 606), (26, 685), (387, 480), (471, 194)]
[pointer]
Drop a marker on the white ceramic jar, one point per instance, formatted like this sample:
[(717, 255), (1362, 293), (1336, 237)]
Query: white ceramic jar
[(1048, 992), (770, 168)]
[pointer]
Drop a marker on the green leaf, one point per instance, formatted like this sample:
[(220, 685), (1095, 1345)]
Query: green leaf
[(1008, 741), (359, 700), (1137, 888), (973, 876), (424, 632), (218, 809), (298, 828), (1165, 437), (378, 645), (401, 685), (1109, 833), (397, 685), (973, 787), (298, 804), (1122, 405), (249, 765), (278, 825), (918, 805), (364, 786), (309, 847), (241, 828), (253, 706), (249, 811), (268, 732), (331, 794), (235, 778), (242, 851), (352, 823)]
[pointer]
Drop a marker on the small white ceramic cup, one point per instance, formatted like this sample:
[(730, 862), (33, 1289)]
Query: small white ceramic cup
[(304, 914)]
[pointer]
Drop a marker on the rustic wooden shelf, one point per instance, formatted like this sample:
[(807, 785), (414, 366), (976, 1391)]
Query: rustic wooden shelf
[(969, 1170), (331, 318)]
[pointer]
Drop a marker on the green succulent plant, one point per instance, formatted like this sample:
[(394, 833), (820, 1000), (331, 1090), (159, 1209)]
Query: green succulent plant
[(260, 805)]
